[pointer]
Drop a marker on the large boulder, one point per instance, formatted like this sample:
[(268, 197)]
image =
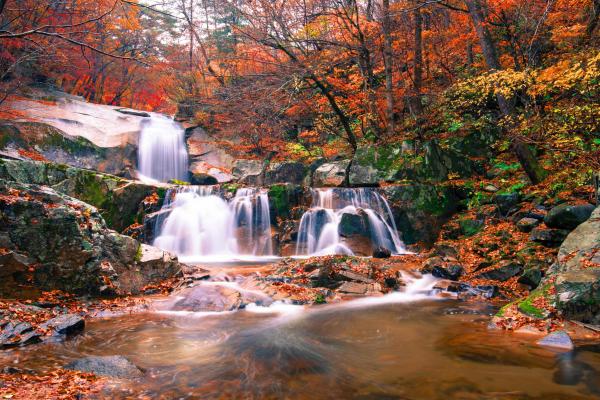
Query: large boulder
[(118, 199), (360, 175), (64, 244), (571, 286), (331, 174), (285, 172), (420, 210), (567, 216), (576, 272), (354, 224), (249, 172), (200, 178), (43, 141)]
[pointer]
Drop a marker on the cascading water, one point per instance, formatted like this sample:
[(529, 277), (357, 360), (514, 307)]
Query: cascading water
[(319, 232), (200, 224), (162, 154)]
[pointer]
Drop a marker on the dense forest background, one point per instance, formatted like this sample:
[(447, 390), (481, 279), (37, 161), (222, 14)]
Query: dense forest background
[(305, 79)]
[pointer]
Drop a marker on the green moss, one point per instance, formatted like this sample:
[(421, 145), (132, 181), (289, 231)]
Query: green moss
[(526, 305), (178, 182), (320, 299), (278, 196), (231, 187), (138, 254)]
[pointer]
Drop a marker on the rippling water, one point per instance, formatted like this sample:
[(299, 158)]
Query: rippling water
[(419, 350)]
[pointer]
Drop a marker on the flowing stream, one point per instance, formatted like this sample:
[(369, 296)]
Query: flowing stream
[(162, 154), (405, 345)]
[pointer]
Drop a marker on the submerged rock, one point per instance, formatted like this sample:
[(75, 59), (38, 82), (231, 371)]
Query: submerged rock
[(213, 298), (113, 366), (557, 339), (566, 216)]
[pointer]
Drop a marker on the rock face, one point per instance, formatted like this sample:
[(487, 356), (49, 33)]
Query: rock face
[(577, 272), (63, 243), (200, 178), (119, 199), (505, 271), (249, 172), (331, 174), (18, 139), (567, 216), (420, 210), (66, 324), (113, 366), (285, 172)]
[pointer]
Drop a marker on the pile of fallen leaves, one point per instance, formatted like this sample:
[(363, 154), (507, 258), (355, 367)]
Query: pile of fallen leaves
[(57, 384)]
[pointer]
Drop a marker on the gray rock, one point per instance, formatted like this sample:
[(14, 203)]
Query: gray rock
[(363, 175), (354, 288), (548, 237), (331, 174), (567, 216), (506, 202), (354, 224), (557, 339), (285, 172), (75, 250), (200, 178), (353, 276), (18, 334), (209, 298), (531, 277), (490, 188), (66, 324), (381, 252), (527, 224), (577, 272), (133, 112), (506, 270), (248, 171), (113, 366)]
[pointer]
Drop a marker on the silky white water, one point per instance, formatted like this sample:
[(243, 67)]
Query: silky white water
[(162, 154), (319, 231), (200, 224)]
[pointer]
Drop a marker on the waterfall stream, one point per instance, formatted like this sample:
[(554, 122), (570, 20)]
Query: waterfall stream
[(200, 224), (162, 154), (319, 232)]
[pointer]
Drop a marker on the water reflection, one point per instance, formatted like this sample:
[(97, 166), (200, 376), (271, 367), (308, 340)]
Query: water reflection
[(422, 350)]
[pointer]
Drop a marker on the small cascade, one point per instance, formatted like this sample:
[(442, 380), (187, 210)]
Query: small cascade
[(162, 154), (319, 232), (197, 223)]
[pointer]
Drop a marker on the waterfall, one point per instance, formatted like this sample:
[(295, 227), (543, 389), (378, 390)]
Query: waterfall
[(197, 223), (319, 231), (162, 154)]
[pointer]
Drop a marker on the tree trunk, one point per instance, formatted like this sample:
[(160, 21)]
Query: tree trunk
[(388, 59), (593, 21), (416, 105), (2, 4), (526, 157)]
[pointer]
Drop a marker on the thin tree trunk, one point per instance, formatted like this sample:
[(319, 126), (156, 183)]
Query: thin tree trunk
[(526, 157), (416, 105), (2, 4), (388, 67), (593, 21)]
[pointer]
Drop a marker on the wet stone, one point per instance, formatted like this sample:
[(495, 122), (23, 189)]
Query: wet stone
[(113, 366), (66, 324), (353, 288), (557, 339)]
